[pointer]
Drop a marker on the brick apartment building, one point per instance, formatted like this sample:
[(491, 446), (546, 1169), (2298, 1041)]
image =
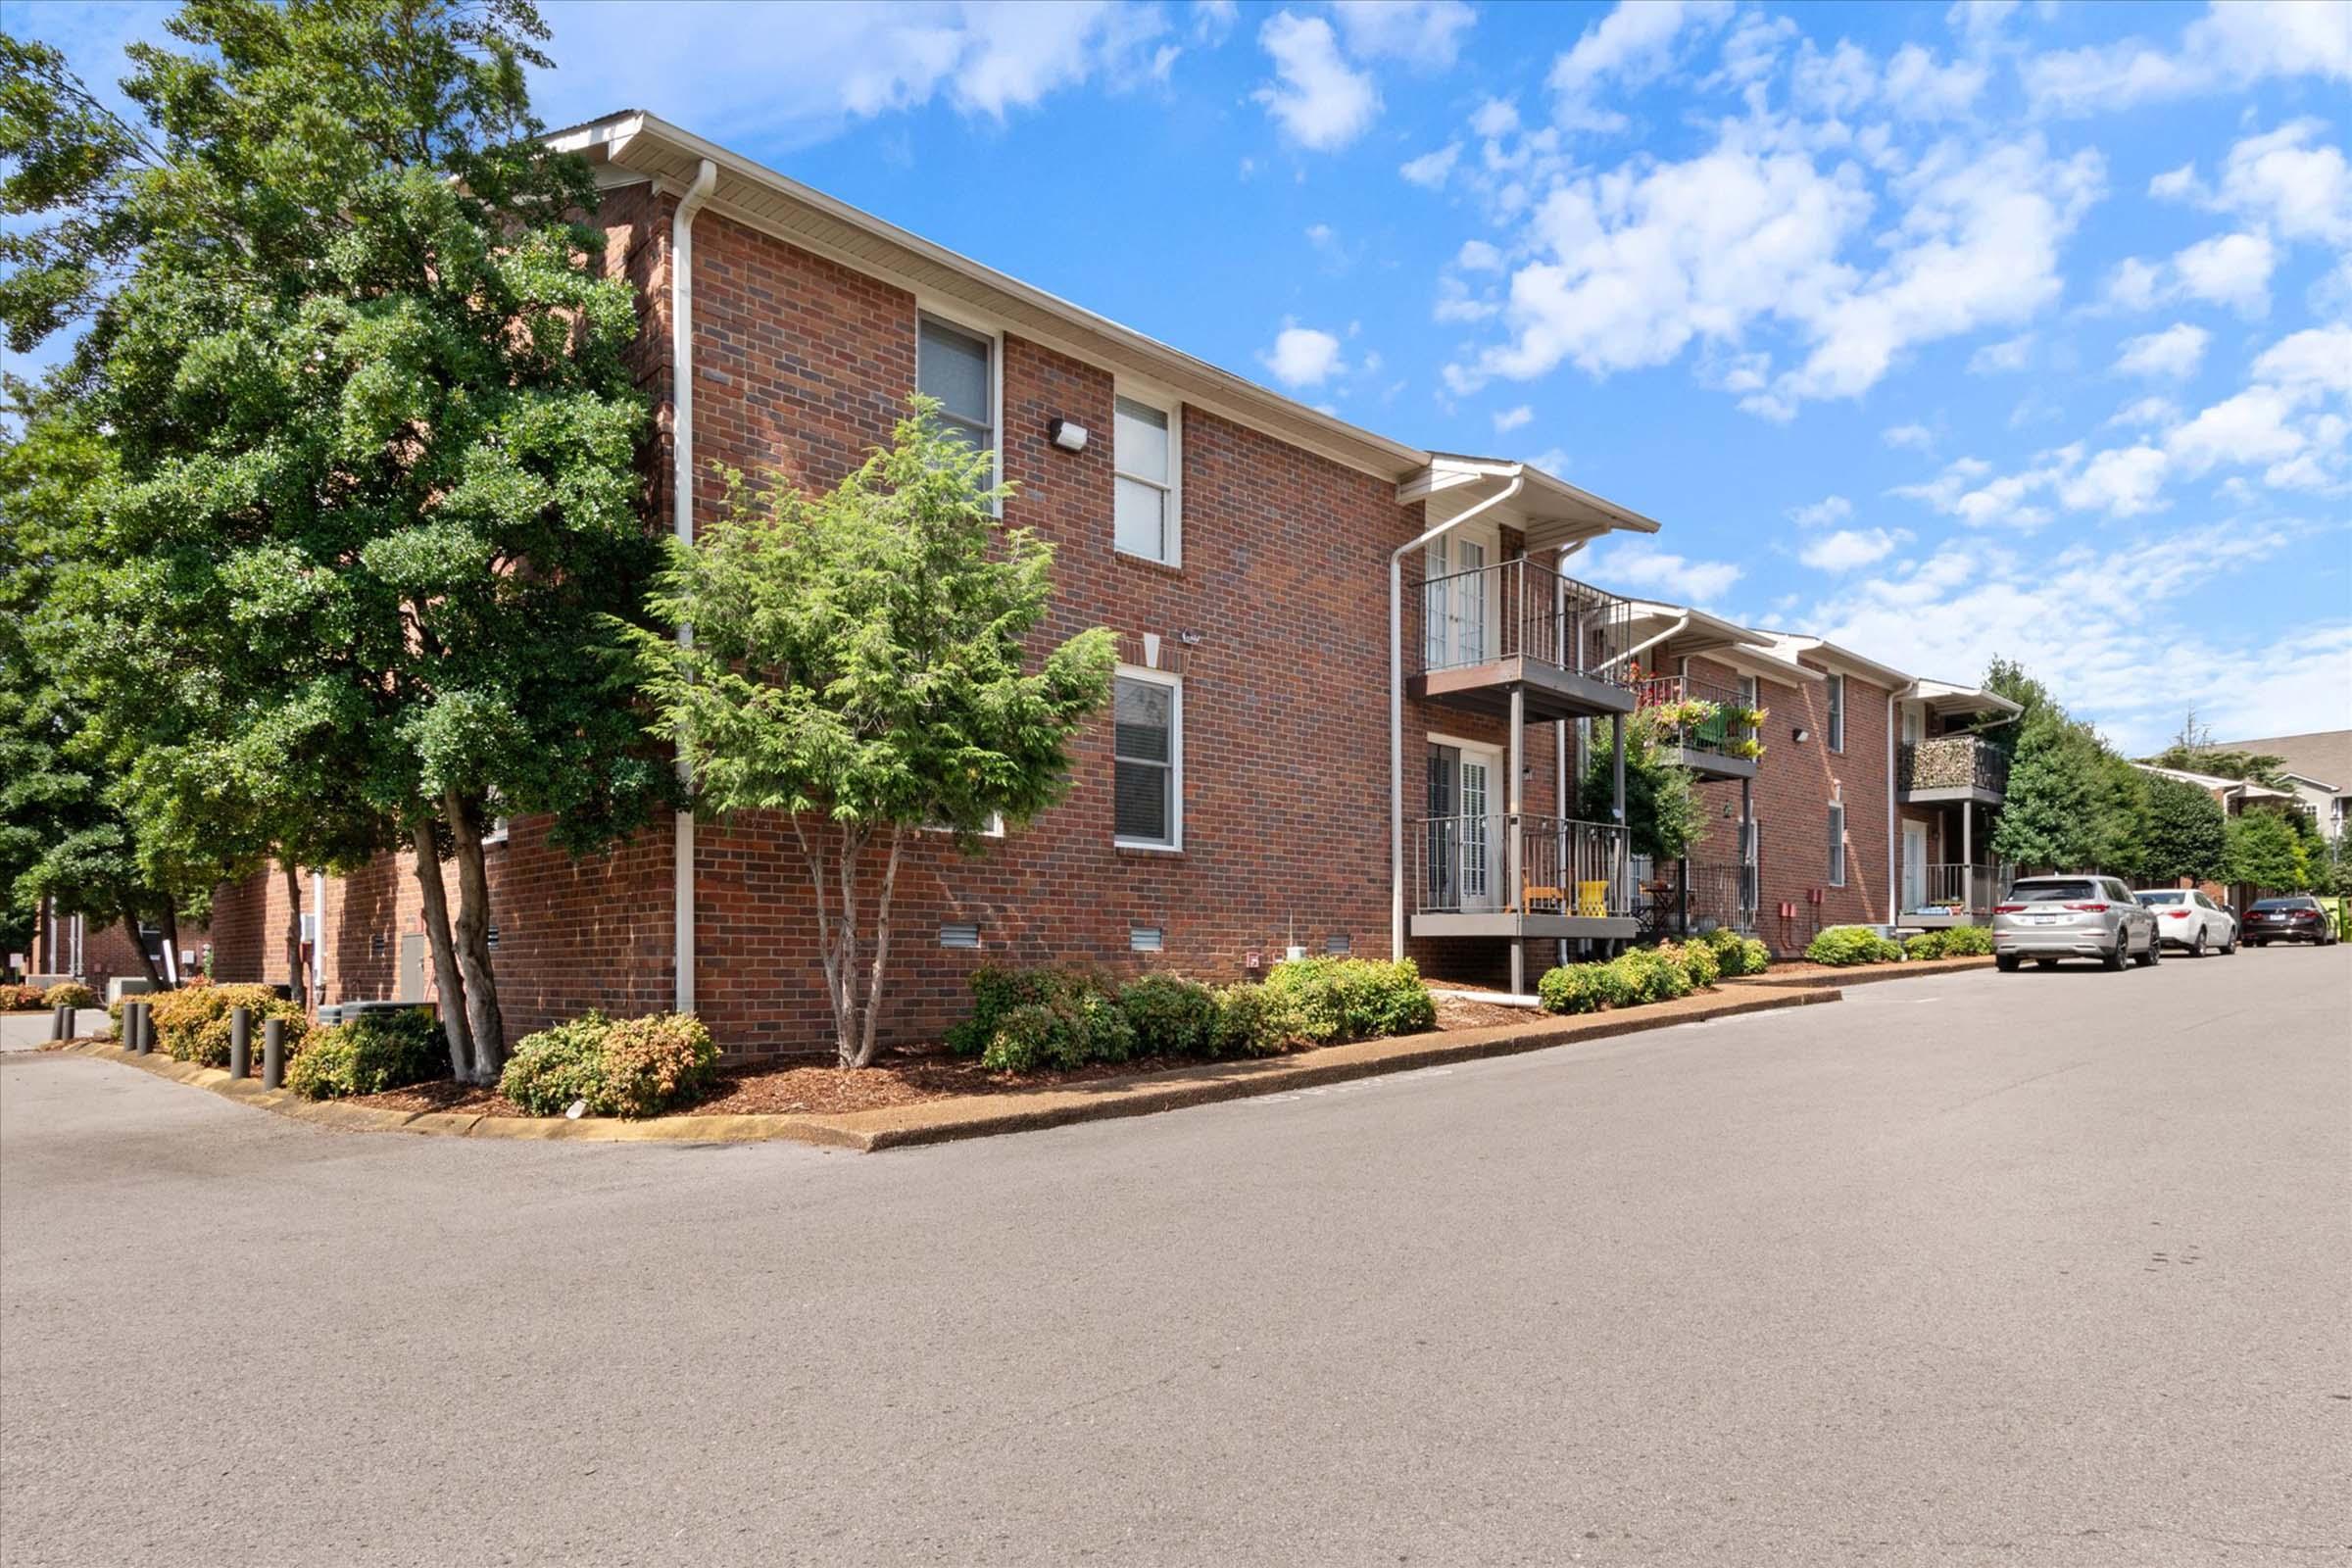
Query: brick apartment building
[(1355, 682)]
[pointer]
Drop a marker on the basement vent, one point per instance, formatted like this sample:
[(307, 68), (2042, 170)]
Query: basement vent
[(964, 935), (1146, 938), (1338, 945), (490, 938)]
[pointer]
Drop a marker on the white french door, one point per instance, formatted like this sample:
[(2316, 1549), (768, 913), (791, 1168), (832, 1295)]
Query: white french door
[(1459, 598), (1466, 845), (1915, 864)]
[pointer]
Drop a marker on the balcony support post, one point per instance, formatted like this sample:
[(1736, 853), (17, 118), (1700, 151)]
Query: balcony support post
[(1968, 834), (1515, 839), (1624, 864)]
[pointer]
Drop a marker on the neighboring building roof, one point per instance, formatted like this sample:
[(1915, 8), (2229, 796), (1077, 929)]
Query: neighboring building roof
[(2323, 757), (2218, 784), (1949, 696), (1788, 645), (1743, 648), (632, 145)]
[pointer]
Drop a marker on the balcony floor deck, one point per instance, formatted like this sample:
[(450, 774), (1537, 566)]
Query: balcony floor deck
[(1551, 692), (1714, 765), (1510, 923), (1941, 794)]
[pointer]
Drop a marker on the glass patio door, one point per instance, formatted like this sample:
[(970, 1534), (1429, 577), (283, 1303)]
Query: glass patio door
[(1464, 829), (1456, 594)]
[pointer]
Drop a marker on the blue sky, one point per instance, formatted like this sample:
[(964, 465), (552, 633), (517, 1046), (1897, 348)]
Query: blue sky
[(1939, 331)]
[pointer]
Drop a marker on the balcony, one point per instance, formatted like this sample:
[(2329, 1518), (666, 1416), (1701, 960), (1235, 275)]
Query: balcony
[(1481, 634), (1939, 896), (1717, 744), (1510, 874), (1699, 897), (1950, 768)]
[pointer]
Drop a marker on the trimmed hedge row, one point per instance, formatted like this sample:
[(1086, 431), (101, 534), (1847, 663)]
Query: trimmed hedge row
[(1846, 945), (191, 1024), (20, 999), (374, 1053), (619, 1067), (1661, 973), (1025, 1020)]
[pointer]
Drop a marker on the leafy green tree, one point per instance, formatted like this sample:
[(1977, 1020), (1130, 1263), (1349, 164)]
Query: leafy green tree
[(2053, 788), (1663, 812), (2267, 854), (2188, 833), (365, 380), (858, 663), (2253, 767)]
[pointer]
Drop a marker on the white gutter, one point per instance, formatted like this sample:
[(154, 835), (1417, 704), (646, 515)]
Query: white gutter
[(1396, 706), (681, 402), (1674, 630), (1894, 894)]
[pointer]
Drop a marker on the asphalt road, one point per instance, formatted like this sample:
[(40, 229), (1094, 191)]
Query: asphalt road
[(1968, 1269)]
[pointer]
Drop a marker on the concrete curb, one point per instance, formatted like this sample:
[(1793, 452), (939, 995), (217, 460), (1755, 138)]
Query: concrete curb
[(940, 1121), (1861, 974)]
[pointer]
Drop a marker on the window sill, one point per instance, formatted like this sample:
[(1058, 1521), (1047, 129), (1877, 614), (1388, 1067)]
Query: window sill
[(1148, 851), (1170, 568)]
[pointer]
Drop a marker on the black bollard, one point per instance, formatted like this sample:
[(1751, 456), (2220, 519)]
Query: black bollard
[(59, 1028), (240, 1041), (273, 1053), (142, 1029)]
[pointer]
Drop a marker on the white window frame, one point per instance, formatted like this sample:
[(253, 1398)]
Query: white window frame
[(994, 830), (1171, 407), (1175, 683), (1833, 694), (1837, 844), (993, 336)]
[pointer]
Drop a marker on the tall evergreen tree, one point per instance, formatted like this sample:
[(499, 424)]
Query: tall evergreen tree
[(2188, 833)]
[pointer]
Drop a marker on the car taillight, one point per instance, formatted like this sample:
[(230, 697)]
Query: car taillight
[(2008, 909), (2178, 914), (2089, 908)]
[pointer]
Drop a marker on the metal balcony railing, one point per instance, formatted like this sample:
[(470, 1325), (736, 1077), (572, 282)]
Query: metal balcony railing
[(1951, 763), (1970, 889), (1722, 734), (1518, 609), (1466, 865)]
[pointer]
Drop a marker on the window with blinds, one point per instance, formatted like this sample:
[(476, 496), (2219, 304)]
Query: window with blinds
[(1143, 460), (959, 368), (1147, 740)]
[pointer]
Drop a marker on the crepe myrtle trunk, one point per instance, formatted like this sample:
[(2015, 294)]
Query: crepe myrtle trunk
[(832, 853), (138, 944), (297, 974), (474, 939), (447, 983), (172, 940)]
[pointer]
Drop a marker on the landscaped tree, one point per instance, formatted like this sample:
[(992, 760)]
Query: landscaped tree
[(2046, 814), (1662, 809), (365, 382), (860, 663), (2266, 853), (2188, 833)]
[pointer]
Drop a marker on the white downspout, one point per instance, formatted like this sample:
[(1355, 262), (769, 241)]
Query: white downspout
[(317, 937), (681, 402), (1894, 897), (1396, 706)]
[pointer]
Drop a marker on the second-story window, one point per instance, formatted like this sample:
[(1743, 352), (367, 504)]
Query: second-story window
[(1837, 696), (959, 368), (1836, 843), (1144, 452)]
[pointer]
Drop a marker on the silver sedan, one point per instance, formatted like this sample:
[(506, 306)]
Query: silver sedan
[(2047, 918)]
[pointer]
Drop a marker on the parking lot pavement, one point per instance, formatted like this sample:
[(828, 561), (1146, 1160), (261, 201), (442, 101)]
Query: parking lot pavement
[(2047, 1268)]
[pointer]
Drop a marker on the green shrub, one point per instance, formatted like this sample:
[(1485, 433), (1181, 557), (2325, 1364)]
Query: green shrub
[(1649, 975), (68, 993), (211, 1042), (1755, 957), (550, 1069), (374, 1053), (191, 1024), (1843, 945), (996, 991), (1925, 945), (1357, 998), (1698, 960), (1172, 1017), (1075, 1027), (1258, 1020), (19, 998), (1967, 942), (1583, 988)]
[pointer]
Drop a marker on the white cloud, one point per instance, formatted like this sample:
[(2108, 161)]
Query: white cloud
[(1979, 20), (2280, 181), (2317, 360), (2234, 45), (1213, 19), (1430, 170), (1317, 99), (2146, 413), (801, 84), (1847, 549), (1916, 87), (1996, 359), (2256, 426), (2172, 355), (1512, 419), (1552, 460), (1641, 565), (1496, 116), (1823, 512), (1422, 31), (2134, 284), (1910, 437), (1477, 256), (1632, 45), (2121, 482), (2233, 270), (1303, 356)]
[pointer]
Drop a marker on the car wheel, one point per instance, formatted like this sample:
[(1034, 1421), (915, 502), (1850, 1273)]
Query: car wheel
[(2196, 949), (2153, 956), (2230, 942), (2006, 962), (2115, 958)]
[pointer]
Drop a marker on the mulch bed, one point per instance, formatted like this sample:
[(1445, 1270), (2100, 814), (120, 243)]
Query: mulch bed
[(903, 1077)]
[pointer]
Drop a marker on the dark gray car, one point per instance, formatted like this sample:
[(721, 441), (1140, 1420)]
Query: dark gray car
[(2047, 919)]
